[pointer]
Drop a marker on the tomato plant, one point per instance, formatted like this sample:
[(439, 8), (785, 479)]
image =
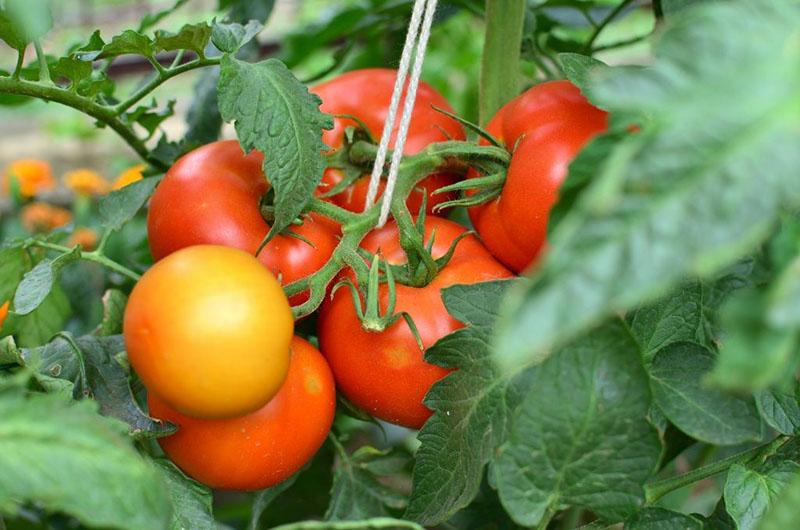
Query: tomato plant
[(603, 332), (385, 373), (194, 332), (255, 451)]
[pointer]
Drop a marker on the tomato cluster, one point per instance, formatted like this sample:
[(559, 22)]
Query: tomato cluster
[(210, 331)]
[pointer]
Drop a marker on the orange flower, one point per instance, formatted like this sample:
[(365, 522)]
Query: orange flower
[(42, 217), (85, 237), (86, 182), (31, 175), (129, 176), (3, 313)]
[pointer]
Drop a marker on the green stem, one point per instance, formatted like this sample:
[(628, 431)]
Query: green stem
[(44, 71), (656, 490), (101, 113), (605, 22), (571, 518), (330, 210), (621, 43), (163, 75), (499, 78), (94, 256), (546, 518), (20, 61)]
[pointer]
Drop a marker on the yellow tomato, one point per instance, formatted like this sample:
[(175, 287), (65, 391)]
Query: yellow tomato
[(208, 330), (86, 182)]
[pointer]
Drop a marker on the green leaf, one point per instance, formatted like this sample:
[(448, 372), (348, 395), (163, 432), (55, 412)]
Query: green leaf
[(113, 312), (191, 501), (73, 69), (357, 492), (783, 310), (129, 42), (677, 377), (14, 262), (677, 198), (560, 452), (93, 364), (578, 68), (749, 492), (38, 327), (672, 7), (265, 497), (65, 458), (119, 206), (244, 10), (228, 38), (193, 37), (150, 117), (655, 518), (203, 120), (471, 407), (37, 283), (378, 523), (24, 21), (784, 513), (274, 113), (780, 410)]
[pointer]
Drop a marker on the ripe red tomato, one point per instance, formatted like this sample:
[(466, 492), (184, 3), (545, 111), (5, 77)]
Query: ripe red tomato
[(208, 330), (384, 373), (263, 448), (548, 124), (212, 196), (366, 94)]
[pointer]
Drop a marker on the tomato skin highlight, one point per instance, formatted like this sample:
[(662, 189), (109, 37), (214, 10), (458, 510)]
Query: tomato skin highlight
[(263, 448), (384, 373), (208, 330), (212, 196), (546, 126), (366, 94)]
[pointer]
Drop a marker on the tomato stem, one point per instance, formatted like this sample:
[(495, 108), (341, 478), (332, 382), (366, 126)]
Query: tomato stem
[(94, 256), (499, 81)]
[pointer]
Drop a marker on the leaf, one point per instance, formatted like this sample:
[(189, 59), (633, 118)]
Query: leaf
[(677, 377), (38, 327), (783, 310), (655, 518), (581, 437), (203, 120), (150, 117), (228, 38), (114, 302), (784, 513), (357, 493), (749, 492), (672, 7), (65, 458), (471, 408), (193, 37), (677, 198), (92, 364), (14, 262), (37, 283), (73, 69), (119, 206), (378, 523), (244, 10), (24, 21), (129, 42), (191, 501), (780, 410), (578, 68), (274, 113), (265, 497)]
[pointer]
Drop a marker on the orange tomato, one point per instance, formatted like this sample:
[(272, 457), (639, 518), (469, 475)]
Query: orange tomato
[(43, 217), (208, 330), (31, 175), (263, 448), (4, 312)]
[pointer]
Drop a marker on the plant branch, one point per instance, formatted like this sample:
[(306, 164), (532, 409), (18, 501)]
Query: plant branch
[(44, 71), (656, 490), (20, 61), (499, 78), (162, 76), (605, 22), (93, 256)]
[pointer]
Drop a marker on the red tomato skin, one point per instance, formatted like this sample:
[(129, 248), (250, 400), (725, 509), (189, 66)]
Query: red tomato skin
[(366, 94), (211, 196), (546, 126), (385, 373), (266, 447)]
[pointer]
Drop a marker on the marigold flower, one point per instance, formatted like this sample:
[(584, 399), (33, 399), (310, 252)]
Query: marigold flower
[(43, 217), (3, 312), (86, 182), (129, 176), (85, 237), (31, 175)]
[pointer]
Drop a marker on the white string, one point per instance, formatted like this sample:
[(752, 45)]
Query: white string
[(388, 126), (408, 108)]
